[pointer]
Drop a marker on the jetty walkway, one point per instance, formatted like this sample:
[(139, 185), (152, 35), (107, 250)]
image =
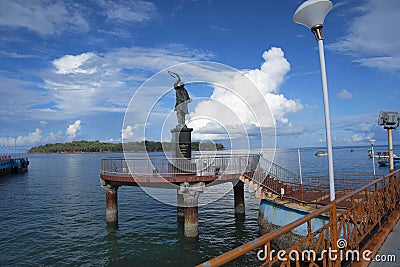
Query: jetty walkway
[(366, 206), (13, 165)]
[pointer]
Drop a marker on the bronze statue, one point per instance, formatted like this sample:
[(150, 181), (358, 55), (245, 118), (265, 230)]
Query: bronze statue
[(182, 99)]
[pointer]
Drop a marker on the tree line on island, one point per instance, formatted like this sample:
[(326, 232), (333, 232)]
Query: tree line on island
[(97, 146)]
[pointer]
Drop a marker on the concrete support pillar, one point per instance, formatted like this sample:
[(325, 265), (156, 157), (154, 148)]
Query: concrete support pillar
[(190, 195), (238, 191), (180, 207), (111, 205)]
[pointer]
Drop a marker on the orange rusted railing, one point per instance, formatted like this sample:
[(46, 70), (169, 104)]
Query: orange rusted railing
[(310, 191), (337, 242)]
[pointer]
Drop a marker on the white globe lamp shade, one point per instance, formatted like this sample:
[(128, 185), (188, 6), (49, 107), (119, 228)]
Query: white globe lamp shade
[(372, 142), (312, 13)]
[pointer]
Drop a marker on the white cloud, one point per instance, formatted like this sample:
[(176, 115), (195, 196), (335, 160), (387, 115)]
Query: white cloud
[(129, 11), (344, 94), (290, 129), (367, 38), (361, 138), (71, 64), (365, 127), (43, 123), (73, 129), (384, 63), (133, 133), (239, 106), (34, 138), (92, 83), (42, 17)]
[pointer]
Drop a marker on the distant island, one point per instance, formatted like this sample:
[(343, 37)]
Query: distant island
[(97, 146)]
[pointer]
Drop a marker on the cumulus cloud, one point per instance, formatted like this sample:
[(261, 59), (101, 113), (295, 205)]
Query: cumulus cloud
[(71, 64), (367, 42), (344, 94), (133, 133), (73, 129), (236, 105), (34, 138)]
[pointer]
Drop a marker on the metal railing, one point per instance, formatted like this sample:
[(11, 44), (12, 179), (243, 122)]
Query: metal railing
[(368, 209), (203, 165), (273, 178)]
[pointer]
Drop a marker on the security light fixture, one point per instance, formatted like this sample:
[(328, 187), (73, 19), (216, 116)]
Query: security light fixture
[(389, 119)]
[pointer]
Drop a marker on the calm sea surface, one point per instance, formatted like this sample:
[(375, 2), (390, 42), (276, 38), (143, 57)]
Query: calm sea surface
[(54, 215)]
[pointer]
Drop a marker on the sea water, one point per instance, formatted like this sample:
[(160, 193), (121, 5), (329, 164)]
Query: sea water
[(54, 215)]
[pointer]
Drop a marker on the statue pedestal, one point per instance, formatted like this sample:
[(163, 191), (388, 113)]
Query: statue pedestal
[(181, 163), (182, 141)]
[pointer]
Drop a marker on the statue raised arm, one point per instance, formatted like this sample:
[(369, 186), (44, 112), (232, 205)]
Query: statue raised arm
[(182, 99)]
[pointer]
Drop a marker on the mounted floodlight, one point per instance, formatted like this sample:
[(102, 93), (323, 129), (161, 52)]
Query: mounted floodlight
[(312, 14), (389, 119)]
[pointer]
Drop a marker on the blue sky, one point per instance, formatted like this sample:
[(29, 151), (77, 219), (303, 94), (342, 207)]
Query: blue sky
[(70, 68)]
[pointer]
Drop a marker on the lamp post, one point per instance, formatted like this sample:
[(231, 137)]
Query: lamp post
[(312, 14), (372, 142), (389, 119)]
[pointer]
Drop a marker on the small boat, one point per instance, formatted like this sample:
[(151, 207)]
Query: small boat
[(321, 153), (385, 163), (381, 155)]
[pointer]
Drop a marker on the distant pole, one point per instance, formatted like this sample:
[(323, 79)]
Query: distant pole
[(301, 175), (390, 147), (372, 141)]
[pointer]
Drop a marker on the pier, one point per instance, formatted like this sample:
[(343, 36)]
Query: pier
[(367, 206), (9, 165), (188, 177)]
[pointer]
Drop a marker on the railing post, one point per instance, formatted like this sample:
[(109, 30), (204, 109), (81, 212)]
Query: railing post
[(302, 192)]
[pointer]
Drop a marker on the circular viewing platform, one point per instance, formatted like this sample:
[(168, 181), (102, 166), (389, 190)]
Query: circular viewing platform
[(160, 171)]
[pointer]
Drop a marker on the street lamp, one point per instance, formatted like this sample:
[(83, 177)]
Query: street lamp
[(389, 119), (312, 14), (372, 142)]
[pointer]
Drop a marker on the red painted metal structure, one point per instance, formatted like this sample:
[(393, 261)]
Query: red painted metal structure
[(365, 217)]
